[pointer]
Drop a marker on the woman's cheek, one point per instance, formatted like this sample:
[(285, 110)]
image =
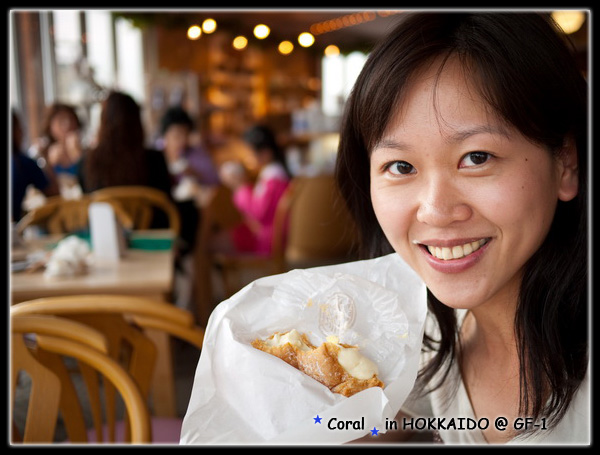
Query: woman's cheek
[(391, 208)]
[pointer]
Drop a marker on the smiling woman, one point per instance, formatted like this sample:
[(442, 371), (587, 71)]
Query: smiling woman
[(474, 172)]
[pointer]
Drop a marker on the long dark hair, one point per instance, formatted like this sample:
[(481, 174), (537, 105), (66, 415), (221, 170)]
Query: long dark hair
[(118, 157), (525, 71)]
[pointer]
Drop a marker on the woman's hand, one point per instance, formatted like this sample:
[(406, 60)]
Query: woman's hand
[(73, 146)]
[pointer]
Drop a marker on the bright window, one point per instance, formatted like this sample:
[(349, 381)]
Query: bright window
[(130, 62), (339, 73), (100, 46)]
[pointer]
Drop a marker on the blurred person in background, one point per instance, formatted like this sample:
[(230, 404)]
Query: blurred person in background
[(257, 201), (60, 145), (194, 175), (191, 167), (120, 156), (25, 171)]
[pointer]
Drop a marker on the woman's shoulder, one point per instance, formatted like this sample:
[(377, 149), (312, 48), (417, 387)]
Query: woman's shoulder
[(274, 171)]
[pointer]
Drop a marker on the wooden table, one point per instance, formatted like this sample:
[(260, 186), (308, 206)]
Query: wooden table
[(139, 272), (142, 272)]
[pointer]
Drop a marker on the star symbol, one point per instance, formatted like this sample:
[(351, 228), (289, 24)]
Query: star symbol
[(317, 419), (374, 431)]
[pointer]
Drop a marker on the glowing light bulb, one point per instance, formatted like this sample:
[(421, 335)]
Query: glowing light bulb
[(285, 47), (332, 50), (305, 39), (194, 32), (569, 21), (209, 25), (261, 31), (240, 42)]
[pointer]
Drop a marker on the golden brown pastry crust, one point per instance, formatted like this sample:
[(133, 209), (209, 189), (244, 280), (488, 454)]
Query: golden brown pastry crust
[(320, 363), (352, 385), (287, 352)]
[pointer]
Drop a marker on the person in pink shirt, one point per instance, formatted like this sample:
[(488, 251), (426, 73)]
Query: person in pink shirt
[(257, 201)]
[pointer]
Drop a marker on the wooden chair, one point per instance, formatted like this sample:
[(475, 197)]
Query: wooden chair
[(311, 228), (218, 215), (139, 202), (48, 360), (320, 228), (230, 266), (136, 328), (61, 216)]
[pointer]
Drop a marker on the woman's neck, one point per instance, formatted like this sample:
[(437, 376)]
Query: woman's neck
[(491, 324), (489, 361)]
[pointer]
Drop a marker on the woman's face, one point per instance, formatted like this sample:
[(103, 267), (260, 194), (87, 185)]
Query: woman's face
[(176, 139), (61, 125), (464, 198)]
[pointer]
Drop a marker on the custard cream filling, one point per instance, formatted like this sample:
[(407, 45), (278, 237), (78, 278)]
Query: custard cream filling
[(356, 364), (456, 252), (292, 337)]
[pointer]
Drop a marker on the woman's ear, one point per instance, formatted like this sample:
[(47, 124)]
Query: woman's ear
[(568, 171)]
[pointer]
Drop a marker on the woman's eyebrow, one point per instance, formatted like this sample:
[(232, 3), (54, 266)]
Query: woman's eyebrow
[(456, 136), (461, 135), (389, 143)]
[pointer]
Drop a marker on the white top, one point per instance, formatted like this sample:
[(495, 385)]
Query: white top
[(271, 171), (574, 428)]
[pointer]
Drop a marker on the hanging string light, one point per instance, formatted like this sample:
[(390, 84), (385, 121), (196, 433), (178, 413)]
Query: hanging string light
[(306, 39), (285, 47), (569, 21), (209, 25), (261, 31), (194, 32), (240, 42), (332, 50)]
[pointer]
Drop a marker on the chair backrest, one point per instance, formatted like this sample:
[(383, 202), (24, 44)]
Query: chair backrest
[(48, 359), (319, 227), (219, 214), (61, 216), (130, 325), (145, 312), (139, 203)]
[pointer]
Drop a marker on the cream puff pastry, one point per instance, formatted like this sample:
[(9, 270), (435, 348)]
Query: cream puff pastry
[(340, 367)]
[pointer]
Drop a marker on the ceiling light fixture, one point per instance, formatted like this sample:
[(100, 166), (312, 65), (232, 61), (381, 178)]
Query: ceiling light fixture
[(261, 31), (569, 21)]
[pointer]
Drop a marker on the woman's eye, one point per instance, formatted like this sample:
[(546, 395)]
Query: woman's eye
[(475, 159), (400, 168)]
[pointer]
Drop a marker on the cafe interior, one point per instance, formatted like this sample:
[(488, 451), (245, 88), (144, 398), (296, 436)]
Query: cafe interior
[(119, 280)]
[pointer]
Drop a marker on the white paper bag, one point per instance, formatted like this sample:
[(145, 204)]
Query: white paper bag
[(242, 395)]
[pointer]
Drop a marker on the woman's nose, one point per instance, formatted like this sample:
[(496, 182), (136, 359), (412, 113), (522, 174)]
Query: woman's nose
[(442, 203)]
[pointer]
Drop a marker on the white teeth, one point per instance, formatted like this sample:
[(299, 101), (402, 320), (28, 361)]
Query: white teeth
[(457, 251)]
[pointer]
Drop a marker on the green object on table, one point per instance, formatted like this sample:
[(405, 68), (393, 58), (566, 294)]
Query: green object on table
[(138, 241), (150, 243)]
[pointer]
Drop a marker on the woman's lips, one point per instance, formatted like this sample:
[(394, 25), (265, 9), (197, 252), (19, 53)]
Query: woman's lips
[(454, 256)]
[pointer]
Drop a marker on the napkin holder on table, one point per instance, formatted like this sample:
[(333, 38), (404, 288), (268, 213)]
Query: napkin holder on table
[(107, 234)]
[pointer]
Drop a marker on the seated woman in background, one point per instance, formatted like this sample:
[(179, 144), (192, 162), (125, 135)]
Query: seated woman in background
[(120, 156), (194, 174), (191, 167), (184, 156), (257, 202), (60, 145), (26, 172)]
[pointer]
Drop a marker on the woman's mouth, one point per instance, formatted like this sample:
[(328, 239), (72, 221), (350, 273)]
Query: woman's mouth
[(454, 256), (456, 252)]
